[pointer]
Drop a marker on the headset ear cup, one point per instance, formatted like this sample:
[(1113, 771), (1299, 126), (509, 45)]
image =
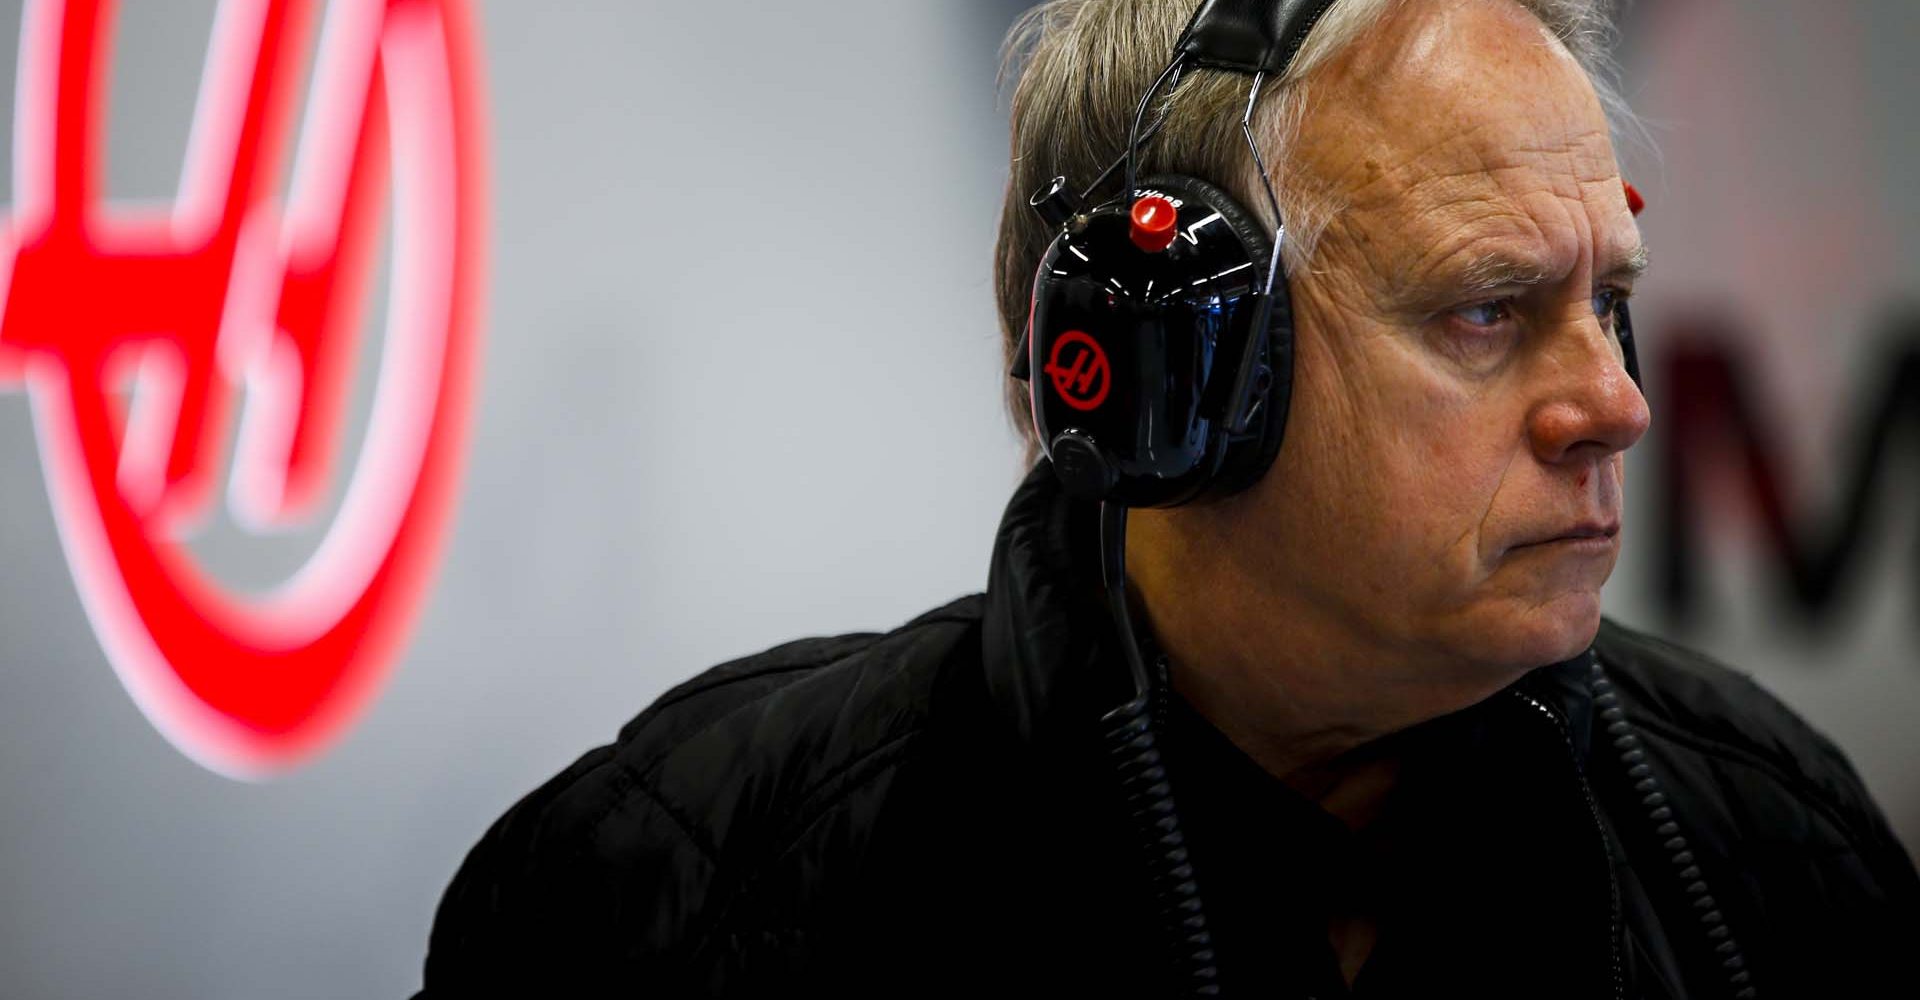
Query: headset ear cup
[(1246, 458), (1629, 354), (1149, 355)]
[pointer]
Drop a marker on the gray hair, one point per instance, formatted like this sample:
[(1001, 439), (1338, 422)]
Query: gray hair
[(1079, 67)]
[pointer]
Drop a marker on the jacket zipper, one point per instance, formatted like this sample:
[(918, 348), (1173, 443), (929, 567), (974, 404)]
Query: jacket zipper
[(1606, 853)]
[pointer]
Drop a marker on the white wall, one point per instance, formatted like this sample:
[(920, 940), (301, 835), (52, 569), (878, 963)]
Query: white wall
[(739, 385)]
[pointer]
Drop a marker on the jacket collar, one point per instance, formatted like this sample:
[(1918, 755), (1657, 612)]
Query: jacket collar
[(1046, 630), (1050, 648)]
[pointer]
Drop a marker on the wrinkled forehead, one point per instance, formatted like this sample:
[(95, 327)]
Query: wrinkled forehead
[(1455, 109)]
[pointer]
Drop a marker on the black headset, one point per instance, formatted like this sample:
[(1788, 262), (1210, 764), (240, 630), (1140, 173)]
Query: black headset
[(1159, 349)]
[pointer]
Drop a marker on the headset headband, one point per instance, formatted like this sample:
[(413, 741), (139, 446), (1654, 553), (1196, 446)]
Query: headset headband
[(1249, 36)]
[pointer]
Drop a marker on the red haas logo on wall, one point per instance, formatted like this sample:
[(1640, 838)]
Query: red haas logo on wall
[(234, 305)]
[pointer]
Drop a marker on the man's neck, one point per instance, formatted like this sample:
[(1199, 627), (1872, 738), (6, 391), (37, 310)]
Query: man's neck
[(1348, 771), (1310, 706)]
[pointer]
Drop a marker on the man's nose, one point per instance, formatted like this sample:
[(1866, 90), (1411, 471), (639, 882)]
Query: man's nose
[(1591, 407)]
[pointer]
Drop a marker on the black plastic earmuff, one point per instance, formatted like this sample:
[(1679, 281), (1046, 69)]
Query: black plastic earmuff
[(1158, 366), (1629, 358)]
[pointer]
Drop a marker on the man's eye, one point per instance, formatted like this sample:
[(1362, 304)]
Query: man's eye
[(1486, 313), (1606, 305)]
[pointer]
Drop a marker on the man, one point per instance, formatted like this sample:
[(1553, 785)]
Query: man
[(1406, 754)]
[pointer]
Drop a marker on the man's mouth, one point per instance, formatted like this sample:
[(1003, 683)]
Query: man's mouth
[(1586, 534)]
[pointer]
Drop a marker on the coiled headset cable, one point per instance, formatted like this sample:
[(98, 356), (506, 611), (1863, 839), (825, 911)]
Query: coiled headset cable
[(1666, 828), (1132, 739)]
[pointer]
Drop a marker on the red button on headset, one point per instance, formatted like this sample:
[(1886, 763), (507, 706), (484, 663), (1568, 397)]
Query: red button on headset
[(1153, 221)]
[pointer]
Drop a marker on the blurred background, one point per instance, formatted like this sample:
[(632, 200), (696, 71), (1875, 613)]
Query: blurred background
[(740, 383)]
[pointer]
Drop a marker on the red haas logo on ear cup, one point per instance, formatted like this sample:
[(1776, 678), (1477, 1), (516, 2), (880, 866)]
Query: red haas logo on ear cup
[(238, 308), (1078, 368)]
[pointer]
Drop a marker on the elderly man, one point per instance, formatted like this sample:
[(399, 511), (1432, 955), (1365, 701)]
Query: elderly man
[(1350, 722)]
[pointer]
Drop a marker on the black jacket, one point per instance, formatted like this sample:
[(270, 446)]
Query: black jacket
[(929, 811)]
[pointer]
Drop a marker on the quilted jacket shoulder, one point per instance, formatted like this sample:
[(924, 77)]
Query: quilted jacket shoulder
[(1696, 702), (1798, 860), (639, 858)]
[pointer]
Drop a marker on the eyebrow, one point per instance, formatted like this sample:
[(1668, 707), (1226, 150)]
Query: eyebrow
[(1497, 270), (1633, 265)]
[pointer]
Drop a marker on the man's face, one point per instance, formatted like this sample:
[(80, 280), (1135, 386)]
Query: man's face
[(1451, 477)]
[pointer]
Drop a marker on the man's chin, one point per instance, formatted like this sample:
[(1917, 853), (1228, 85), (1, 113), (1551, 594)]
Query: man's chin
[(1559, 630), (1521, 635)]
